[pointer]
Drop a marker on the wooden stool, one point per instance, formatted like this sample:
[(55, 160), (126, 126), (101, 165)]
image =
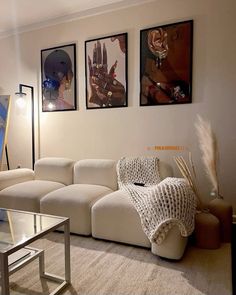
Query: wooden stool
[(223, 211), (207, 231)]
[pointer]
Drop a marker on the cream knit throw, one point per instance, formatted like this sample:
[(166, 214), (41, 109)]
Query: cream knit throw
[(160, 205)]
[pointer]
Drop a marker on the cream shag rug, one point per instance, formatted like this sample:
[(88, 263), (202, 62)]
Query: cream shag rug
[(106, 268)]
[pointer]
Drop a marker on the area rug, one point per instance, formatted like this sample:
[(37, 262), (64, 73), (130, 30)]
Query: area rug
[(106, 268)]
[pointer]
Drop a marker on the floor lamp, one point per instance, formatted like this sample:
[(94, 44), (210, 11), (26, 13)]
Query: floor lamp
[(21, 95)]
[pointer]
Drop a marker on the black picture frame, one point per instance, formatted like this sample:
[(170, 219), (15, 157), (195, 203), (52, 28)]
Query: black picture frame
[(106, 72), (166, 54), (58, 77)]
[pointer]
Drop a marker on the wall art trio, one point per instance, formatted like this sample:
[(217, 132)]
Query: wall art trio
[(165, 70)]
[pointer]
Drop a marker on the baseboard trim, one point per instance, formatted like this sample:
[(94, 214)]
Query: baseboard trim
[(234, 218)]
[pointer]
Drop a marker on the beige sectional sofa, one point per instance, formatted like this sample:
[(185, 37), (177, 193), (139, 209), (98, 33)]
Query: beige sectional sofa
[(87, 192)]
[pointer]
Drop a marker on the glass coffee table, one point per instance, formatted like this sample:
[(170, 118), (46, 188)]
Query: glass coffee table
[(17, 230)]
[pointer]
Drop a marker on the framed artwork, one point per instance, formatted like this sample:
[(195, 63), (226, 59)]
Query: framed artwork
[(58, 70), (106, 72), (166, 64), (4, 118)]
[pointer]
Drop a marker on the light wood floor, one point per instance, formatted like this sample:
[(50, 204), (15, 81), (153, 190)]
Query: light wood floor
[(100, 267)]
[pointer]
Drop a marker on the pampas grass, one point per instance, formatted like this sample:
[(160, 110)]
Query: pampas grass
[(185, 171), (208, 147)]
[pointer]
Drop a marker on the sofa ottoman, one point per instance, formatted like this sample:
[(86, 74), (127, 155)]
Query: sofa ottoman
[(93, 179), (26, 196), (74, 201), (115, 218)]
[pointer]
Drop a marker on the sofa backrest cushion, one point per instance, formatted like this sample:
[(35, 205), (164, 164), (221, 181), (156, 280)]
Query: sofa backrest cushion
[(14, 176), (165, 170), (96, 171), (54, 169)]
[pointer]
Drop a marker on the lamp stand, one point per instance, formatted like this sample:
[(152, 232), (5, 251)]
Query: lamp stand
[(21, 86)]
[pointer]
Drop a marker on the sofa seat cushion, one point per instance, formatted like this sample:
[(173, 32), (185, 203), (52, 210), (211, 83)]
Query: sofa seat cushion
[(74, 201), (115, 218), (26, 195)]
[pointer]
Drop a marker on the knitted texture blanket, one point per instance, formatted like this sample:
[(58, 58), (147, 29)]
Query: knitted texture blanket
[(160, 204)]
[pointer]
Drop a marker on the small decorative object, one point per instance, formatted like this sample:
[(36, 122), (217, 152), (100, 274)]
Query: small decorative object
[(58, 70), (106, 72), (166, 64), (4, 119)]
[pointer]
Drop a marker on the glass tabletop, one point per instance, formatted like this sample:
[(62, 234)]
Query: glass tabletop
[(17, 227)]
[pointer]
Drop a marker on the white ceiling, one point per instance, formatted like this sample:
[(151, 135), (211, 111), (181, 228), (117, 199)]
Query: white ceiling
[(24, 15)]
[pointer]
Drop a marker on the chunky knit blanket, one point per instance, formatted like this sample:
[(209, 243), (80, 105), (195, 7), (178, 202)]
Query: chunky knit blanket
[(160, 204)]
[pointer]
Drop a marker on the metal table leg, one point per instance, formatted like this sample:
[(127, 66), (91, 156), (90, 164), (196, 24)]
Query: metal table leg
[(4, 274), (67, 252), (64, 282)]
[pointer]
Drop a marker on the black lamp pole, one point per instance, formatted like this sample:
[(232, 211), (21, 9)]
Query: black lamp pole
[(21, 86)]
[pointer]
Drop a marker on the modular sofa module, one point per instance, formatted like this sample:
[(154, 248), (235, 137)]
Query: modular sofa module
[(22, 189), (93, 179)]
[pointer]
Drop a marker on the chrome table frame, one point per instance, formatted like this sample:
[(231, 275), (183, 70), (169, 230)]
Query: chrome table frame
[(6, 270)]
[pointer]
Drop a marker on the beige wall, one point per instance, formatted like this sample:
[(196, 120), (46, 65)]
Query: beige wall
[(112, 133)]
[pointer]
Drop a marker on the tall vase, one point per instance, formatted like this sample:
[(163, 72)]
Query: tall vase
[(223, 211)]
